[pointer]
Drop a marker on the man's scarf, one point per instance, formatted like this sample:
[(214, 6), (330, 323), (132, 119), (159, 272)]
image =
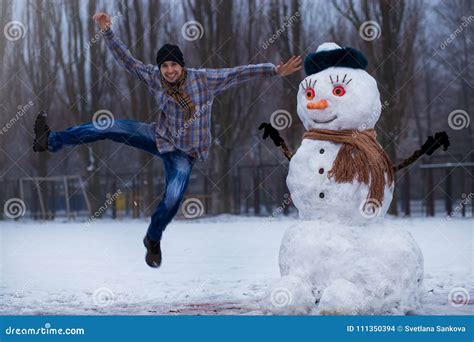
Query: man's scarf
[(360, 157), (176, 92)]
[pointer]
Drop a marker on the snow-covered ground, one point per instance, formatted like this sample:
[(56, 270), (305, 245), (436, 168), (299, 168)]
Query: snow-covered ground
[(220, 265)]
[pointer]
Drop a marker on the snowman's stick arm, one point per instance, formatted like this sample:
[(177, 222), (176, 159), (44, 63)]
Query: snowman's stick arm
[(270, 131), (286, 151), (408, 161), (440, 139)]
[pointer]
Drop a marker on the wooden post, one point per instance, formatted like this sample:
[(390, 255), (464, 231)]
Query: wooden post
[(40, 197), (22, 193), (237, 193), (114, 202), (84, 193), (285, 191), (66, 194), (430, 206), (256, 198), (407, 194), (448, 190)]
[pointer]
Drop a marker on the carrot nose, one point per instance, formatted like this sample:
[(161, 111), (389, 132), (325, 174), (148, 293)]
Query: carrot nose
[(321, 104)]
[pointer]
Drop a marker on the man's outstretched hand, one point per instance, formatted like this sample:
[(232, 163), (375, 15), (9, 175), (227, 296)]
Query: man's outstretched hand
[(291, 66), (103, 19)]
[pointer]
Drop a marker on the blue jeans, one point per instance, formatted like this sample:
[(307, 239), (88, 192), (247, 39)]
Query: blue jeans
[(178, 165)]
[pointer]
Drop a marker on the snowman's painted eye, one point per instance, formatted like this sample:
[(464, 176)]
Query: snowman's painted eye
[(338, 90), (309, 92)]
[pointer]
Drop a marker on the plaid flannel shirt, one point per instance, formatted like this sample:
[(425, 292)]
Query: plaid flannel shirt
[(192, 136)]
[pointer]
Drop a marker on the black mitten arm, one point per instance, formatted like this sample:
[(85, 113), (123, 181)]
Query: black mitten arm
[(429, 147), (270, 131)]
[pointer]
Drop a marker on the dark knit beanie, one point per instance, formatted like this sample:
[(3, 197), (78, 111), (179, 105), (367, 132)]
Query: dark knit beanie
[(169, 53)]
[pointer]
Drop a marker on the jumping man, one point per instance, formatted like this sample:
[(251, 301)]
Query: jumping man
[(180, 136)]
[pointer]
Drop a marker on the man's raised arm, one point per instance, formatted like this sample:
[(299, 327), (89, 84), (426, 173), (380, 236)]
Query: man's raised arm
[(222, 79), (145, 72)]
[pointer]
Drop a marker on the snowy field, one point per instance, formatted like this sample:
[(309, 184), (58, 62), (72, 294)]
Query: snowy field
[(219, 265)]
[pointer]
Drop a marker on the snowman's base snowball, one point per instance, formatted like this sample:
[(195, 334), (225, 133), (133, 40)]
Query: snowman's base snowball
[(342, 297), (371, 269), (289, 296)]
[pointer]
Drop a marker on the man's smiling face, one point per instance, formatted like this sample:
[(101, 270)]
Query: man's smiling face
[(171, 71)]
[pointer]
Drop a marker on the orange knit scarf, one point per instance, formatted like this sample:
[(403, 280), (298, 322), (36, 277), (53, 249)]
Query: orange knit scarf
[(360, 157)]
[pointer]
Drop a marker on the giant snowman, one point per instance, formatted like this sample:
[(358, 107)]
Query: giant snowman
[(342, 257)]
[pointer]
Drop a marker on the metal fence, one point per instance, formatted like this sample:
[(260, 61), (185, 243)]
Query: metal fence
[(443, 189)]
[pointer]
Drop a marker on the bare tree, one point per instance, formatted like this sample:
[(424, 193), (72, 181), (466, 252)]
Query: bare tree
[(5, 17), (455, 53), (286, 17), (40, 64), (80, 93), (234, 112)]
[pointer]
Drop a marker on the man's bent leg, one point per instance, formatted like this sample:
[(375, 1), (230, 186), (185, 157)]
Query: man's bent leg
[(134, 133), (178, 168)]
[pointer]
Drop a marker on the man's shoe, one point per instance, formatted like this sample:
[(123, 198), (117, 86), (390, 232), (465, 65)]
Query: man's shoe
[(42, 133), (153, 252)]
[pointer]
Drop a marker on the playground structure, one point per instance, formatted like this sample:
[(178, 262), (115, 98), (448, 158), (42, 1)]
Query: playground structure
[(59, 187)]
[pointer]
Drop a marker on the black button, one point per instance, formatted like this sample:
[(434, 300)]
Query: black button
[(321, 171), (321, 151), (321, 195)]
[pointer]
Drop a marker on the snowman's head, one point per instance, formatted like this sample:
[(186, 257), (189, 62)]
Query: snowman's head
[(338, 93)]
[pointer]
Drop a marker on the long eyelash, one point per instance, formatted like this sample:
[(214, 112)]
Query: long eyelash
[(305, 85), (337, 79), (344, 80), (302, 86), (308, 85)]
